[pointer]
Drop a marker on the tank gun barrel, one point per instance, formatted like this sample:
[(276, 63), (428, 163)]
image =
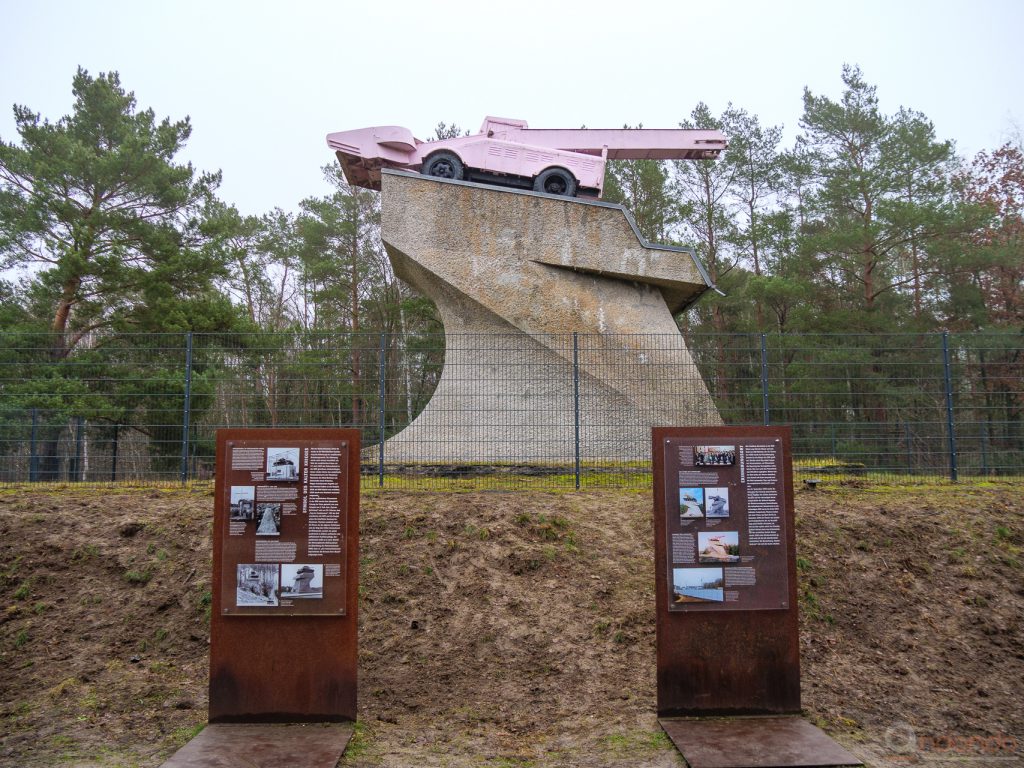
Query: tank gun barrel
[(631, 143)]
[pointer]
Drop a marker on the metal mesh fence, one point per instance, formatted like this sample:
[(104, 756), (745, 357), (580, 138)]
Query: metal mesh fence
[(510, 411)]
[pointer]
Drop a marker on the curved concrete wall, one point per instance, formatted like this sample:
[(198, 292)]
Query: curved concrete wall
[(527, 270)]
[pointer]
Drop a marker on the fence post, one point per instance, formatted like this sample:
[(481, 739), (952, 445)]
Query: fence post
[(576, 402), (950, 426), (33, 455), (113, 455), (764, 381), (984, 447), (187, 410), (381, 408), (910, 450), (76, 469)]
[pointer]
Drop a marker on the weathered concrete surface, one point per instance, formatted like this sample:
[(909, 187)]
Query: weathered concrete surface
[(248, 745), (527, 270)]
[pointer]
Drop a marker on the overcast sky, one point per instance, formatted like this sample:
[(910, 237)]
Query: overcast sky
[(265, 81)]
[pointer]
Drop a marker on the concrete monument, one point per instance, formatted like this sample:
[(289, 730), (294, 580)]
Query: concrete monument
[(302, 579), (515, 271)]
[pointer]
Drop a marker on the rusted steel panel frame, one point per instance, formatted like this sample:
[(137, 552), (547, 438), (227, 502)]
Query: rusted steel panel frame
[(728, 662), (285, 668)]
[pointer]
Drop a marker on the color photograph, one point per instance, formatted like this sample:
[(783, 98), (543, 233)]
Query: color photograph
[(257, 585), (282, 465), (691, 502), (718, 547), (714, 455), (697, 585), (243, 502), (301, 580), (716, 502), (269, 516)]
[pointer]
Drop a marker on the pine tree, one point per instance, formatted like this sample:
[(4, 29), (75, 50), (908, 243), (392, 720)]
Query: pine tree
[(879, 204), (107, 229), (96, 206)]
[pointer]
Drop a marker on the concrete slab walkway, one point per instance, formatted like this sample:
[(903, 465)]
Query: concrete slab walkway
[(252, 745), (754, 742)]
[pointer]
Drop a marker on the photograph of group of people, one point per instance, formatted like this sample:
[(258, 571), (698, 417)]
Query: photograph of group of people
[(714, 455)]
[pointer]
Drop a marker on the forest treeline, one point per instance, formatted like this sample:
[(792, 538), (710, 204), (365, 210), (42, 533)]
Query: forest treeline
[(869, 223)]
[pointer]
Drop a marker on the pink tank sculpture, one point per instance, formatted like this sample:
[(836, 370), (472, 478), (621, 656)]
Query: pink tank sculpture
[(565, 162)]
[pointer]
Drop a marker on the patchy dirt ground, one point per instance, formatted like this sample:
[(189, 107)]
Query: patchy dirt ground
[(515, 629)]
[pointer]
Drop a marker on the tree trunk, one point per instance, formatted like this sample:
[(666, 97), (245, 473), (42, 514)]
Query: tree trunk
[(357, 410), (63, 314), (868, 277), (717, 316), (49, 458), (916, 266), (405, 360), (759, 308), (868, 258), (50, 432)]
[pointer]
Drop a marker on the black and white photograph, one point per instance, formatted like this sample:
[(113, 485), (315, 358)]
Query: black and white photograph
[(243, 502), (698, 585), (269, 516), (716, 502), (282, 465), (257, 585), (691, 502), (714, 455), (718, 547), (302, 580)]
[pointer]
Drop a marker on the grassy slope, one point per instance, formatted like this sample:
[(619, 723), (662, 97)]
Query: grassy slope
[(534, 639)]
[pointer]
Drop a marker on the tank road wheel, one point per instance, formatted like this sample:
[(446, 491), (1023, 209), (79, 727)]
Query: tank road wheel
[(443, 165), (555, 181)]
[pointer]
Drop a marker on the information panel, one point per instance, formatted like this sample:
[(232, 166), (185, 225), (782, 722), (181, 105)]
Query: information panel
[(724, 544), (284, 537), (284, 622), (725, 524)]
